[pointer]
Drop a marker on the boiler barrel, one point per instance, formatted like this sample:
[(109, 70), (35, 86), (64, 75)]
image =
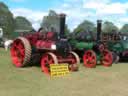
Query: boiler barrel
[(84, 45)]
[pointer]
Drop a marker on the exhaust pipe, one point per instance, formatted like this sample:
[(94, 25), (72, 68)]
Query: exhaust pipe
[(62, 25), (99, 29)]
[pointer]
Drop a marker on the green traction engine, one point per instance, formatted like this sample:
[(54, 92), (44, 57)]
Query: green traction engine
[(118, 43), (92, 51)]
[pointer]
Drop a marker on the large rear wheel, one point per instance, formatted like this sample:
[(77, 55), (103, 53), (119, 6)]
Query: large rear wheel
[(46, 60), (20, 52), (89, 59)]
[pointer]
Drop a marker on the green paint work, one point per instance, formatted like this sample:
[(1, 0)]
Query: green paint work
[(15, 34), (118, 46), (98, 57), (115, 46), (84, 45), (81, 45), (125, 44)]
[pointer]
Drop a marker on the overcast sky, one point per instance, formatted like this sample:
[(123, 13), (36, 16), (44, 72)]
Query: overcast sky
[(76, 10)]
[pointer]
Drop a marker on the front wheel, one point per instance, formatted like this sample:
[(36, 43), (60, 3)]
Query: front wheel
[(46, 60), (107, 58)]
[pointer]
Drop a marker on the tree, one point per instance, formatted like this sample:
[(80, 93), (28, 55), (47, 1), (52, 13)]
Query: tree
[(53, 21), (67, 30), (85, 31), (109, 27), (85, 26), (21, 23), (124, 29), (6, 20)]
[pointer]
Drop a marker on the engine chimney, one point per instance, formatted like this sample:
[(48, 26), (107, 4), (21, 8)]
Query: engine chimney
[(62, 25), (99, 29)]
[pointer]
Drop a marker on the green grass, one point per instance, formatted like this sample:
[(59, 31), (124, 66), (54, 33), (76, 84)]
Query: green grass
[(100, 81)]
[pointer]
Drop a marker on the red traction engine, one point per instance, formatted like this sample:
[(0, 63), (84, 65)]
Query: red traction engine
[(46, 48)]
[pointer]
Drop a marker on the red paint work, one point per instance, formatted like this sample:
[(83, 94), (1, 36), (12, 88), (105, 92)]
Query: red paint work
[(89, 59), (45, 63), (107, 58), (18, 53), (41, 40), (43, 44)]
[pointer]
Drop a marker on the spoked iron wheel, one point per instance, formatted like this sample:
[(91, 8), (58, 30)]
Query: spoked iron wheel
[(107, 58), (20, 52), (46, 60), (73, 66), (89, 59)]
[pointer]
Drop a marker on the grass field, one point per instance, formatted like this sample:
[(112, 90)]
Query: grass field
[(100, 81)]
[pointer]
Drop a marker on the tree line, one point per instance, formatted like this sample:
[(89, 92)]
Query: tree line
[(9, 23), (107, 27)]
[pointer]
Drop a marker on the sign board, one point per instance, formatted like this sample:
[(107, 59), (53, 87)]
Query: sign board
[(58, 70)]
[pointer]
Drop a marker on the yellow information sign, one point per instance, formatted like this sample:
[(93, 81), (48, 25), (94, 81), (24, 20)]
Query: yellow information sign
[(58, 70)]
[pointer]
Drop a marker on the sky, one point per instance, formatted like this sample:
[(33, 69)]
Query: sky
[(76, 11)]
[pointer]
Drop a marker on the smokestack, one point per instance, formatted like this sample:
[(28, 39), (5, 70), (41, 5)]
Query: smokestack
[(99, 29), (62, 25)]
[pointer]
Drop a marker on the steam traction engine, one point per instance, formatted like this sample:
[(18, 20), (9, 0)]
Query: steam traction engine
[(118, 43), (46, 48), (92, 51)]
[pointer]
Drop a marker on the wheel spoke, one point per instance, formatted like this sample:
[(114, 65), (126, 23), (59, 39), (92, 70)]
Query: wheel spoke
[(14, 45), (22, 52), (51, 61), (46, 60), (107, 58)]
